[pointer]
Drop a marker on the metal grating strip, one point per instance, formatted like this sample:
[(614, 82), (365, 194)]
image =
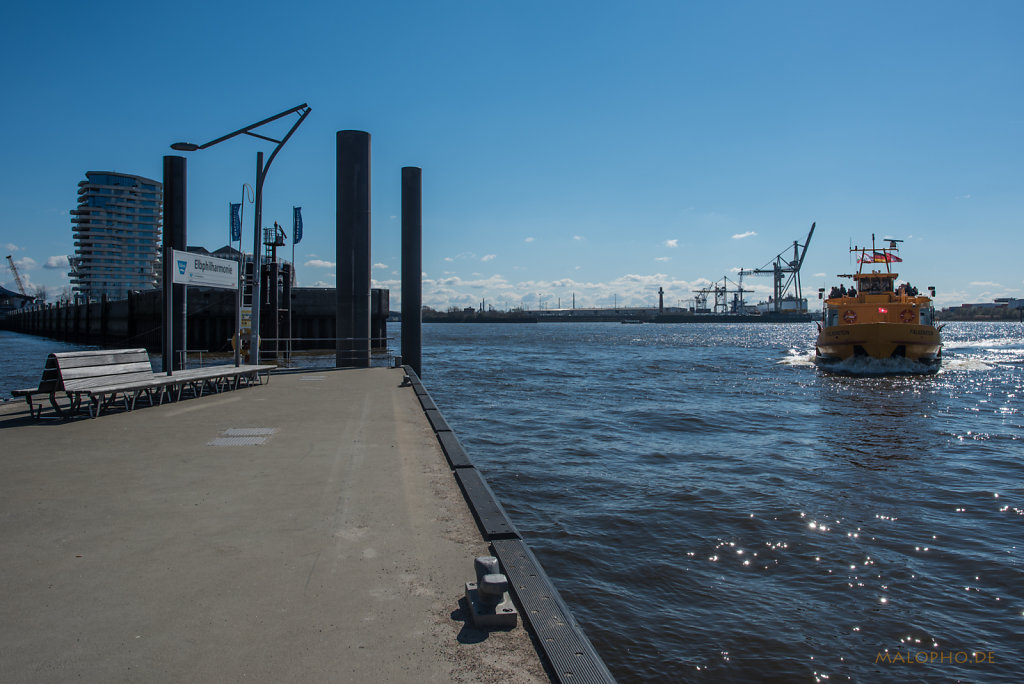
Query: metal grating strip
[(249, 432), (311, 378), (237, 441), (490, 516), (437, 421), (571, 655), (453, 451)]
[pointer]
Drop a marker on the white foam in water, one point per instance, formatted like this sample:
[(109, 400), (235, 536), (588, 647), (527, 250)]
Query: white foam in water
[(865, 365), (796, 357), (965, 364), (987, 343)]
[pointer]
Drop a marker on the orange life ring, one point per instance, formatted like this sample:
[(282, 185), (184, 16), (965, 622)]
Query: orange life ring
[(906, 315), (850, 316)]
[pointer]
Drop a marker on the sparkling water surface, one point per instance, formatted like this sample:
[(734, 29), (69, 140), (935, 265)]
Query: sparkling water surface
[(713, 507)]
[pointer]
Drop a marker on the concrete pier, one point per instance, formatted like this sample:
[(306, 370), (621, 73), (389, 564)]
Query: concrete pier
[(326, 541)]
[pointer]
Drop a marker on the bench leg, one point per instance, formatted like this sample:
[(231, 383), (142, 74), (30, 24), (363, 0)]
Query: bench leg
[(31, 410), (56, 407)]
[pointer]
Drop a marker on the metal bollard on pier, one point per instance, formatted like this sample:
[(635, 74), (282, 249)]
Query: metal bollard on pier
[(490, 604)]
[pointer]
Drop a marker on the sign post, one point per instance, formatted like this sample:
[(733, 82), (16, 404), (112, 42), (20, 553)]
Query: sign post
[(188, 268)]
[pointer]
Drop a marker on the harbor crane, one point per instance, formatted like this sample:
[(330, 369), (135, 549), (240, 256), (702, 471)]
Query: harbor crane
[(721, 293), (17, 276), (785, 273)]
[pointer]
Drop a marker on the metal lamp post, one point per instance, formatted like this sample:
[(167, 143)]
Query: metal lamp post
[(303, 111)]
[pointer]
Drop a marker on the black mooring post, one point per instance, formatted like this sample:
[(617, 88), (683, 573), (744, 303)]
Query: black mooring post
[(412, 268), (353, 249), (174, 237)]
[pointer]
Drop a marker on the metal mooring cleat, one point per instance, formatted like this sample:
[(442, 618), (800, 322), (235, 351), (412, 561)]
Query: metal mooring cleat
[(490, 604)]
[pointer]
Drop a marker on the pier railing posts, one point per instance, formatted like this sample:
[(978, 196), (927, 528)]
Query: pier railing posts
[(412, 268), (353, 249)]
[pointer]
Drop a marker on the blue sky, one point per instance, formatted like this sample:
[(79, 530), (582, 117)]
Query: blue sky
[(599, 148)]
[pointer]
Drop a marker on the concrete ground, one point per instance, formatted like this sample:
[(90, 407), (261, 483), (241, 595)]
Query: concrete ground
[(135, 548)]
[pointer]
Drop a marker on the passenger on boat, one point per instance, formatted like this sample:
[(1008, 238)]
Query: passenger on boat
[(852, 292)]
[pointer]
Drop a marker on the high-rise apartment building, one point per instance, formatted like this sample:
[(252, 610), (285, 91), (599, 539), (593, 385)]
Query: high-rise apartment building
[(117, 235)]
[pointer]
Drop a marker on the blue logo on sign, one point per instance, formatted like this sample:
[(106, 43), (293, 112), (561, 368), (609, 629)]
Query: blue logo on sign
[(181, 267)]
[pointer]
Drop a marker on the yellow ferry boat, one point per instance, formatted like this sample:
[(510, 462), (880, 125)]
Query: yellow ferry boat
[(876, 318)]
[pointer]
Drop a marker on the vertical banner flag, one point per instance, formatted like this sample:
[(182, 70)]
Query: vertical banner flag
[(236, 222), (296, 225)]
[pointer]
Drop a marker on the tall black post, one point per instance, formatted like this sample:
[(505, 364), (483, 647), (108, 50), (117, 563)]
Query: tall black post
[(175, 232), (353, 250), (286, 293), (275, 303), (412, 268)]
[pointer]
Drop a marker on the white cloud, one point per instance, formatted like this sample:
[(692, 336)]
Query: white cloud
[(321, 283), (820, 275), (25, 263), (502, 292), (672, 243), (985, 283), (59, 262), (529, 239), (488, 257), (449, 258), (578, 238), (380, 266), (11, 247), (663, 258), (740, 236), (319, 263)]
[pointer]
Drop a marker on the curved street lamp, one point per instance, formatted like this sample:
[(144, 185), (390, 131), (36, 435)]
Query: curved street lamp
[(303, 111)]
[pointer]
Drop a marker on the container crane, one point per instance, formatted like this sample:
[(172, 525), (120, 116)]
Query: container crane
[(785, 273), (721, 297), (17, 276)]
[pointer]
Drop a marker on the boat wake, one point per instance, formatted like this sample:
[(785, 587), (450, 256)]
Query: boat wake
[(866, 365), (966, 363), (798, 357)]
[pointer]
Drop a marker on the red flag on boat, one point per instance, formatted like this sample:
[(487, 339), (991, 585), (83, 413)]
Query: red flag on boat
[(879, 258), (886, 258)]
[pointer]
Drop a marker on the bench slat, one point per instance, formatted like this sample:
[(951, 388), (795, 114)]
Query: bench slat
[(81, 384), (104, 360), (111, 369)]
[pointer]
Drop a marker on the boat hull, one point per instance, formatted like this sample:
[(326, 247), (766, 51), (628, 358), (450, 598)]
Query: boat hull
[(918, 343)]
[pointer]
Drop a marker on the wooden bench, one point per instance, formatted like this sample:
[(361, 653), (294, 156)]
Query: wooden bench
[(100, 377)]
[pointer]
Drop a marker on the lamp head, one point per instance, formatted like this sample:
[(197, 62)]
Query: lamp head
[(185, 146)]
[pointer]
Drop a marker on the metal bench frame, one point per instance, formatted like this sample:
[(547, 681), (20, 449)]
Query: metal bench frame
[(98, 378)]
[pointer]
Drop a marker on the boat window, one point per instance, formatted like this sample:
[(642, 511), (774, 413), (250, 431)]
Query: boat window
[(833, 318)]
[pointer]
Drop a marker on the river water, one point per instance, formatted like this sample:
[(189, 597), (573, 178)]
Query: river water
[(713, 507)]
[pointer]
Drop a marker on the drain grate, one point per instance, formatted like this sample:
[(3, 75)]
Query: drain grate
[(250, 432), (243, 437)]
